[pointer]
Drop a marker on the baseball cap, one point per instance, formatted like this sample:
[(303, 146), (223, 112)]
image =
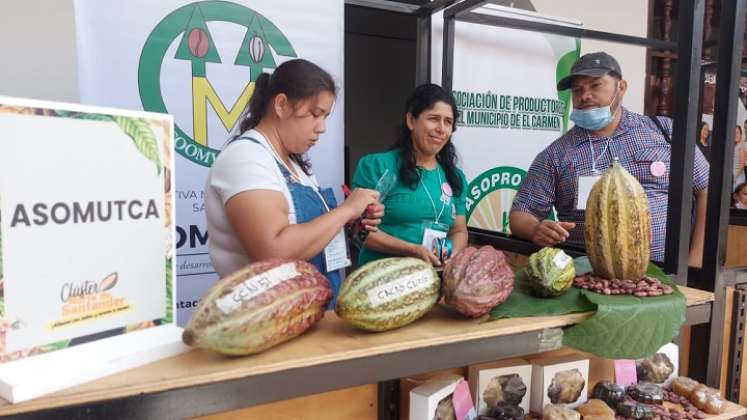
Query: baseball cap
[(594, 64)]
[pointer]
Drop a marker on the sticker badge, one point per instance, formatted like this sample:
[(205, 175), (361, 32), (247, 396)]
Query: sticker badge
[(658, 168)]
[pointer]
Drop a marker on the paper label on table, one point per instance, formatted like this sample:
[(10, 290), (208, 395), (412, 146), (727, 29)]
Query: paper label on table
[(410, 283), (625, 373), (561, 259), (254, 286)]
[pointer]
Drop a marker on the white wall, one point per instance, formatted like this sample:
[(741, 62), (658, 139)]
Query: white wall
[(38, 49), (628, 17), (39, 55)]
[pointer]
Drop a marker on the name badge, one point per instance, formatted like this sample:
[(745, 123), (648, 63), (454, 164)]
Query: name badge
[(336, 253), (433, 231), (584, 190)]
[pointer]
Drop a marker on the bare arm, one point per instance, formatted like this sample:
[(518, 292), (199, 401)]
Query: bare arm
[(260, 220), (695, 258), (543, 233), (458, 235)]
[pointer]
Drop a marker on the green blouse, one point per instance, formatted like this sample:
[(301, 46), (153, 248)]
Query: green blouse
[(409, 211)]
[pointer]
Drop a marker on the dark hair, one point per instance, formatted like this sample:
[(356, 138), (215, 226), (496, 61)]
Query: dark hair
[(700, 131), (740, 129), (298, 79), (738, 189), (421, 99)]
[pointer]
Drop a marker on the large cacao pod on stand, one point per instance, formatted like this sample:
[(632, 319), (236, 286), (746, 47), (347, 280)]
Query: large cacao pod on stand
[(388, 293), (618, 226), (476, 280), (259, 306)]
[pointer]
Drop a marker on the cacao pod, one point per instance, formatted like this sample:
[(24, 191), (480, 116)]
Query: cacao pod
[(477, 280), (550, 272), (259, 306), (618, 226), (388, 293)]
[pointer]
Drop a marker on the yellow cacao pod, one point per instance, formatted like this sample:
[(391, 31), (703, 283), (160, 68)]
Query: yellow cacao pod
[(618, 226)]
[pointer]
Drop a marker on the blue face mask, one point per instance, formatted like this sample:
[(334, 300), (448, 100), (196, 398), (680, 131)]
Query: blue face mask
[(593, 119)]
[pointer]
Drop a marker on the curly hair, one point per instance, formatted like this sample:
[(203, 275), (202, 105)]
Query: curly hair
[(422, 98)]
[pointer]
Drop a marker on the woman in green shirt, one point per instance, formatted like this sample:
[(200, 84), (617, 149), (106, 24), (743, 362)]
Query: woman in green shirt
[(428, 200)]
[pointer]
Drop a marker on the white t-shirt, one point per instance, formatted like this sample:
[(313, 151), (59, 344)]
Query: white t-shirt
[(242, 165)]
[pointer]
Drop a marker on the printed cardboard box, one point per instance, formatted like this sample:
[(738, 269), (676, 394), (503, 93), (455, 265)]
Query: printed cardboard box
[(666, 358), (424, 399), (488, 381), (559, 381)]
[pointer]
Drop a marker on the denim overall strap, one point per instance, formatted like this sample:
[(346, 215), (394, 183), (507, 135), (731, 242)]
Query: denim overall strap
[(308, 206)]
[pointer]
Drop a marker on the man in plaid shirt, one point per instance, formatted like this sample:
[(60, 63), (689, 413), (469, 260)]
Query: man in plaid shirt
[(562, 174)]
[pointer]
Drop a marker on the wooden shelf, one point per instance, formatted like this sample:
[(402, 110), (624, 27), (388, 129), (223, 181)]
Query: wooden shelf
[(732, 411), (332, 355)]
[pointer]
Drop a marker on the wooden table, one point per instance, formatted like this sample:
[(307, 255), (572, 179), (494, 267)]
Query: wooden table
[(332, 355)]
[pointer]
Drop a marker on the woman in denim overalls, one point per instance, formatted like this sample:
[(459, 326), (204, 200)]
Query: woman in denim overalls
[(286, 115)]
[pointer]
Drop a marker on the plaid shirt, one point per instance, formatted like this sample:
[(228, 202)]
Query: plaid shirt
[(637, 142)]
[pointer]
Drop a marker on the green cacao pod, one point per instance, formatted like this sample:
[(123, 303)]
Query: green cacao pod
[(550, 272), (618, 226), (259, 306), (388, 293)]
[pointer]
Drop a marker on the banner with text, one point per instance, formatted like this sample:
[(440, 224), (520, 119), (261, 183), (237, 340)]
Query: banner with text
[(510, 110), (198, 61)]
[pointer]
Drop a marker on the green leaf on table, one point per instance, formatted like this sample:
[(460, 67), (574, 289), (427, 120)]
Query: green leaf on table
[(627, 327), (522, 302)]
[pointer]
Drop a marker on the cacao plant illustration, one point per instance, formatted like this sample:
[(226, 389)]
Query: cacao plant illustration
[(108, 282), (141, 134)]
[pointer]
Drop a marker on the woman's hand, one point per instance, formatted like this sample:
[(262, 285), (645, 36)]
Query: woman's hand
[(359, 200), (425, 254), (374, 213)]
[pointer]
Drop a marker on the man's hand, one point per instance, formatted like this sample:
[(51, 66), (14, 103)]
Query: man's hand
[(549, 233)]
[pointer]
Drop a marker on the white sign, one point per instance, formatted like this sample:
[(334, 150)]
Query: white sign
[(86, 226), (410, 283), (255, 286), (510, 110), (197, 60)]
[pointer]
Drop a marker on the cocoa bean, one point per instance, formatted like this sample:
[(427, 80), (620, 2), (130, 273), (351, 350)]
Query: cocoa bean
[(198, 42)]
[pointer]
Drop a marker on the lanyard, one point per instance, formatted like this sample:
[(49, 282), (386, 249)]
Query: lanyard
[(433, 203), (594, 159), (314, 186)]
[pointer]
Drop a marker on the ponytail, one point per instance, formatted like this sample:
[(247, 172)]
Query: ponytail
[(297, 79), (257, 107)]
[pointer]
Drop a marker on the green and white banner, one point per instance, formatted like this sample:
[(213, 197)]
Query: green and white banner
[(510, 110), (198, 60)]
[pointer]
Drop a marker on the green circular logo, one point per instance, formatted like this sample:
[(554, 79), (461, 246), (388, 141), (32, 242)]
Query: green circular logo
[(196, 44), (490, 196)]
